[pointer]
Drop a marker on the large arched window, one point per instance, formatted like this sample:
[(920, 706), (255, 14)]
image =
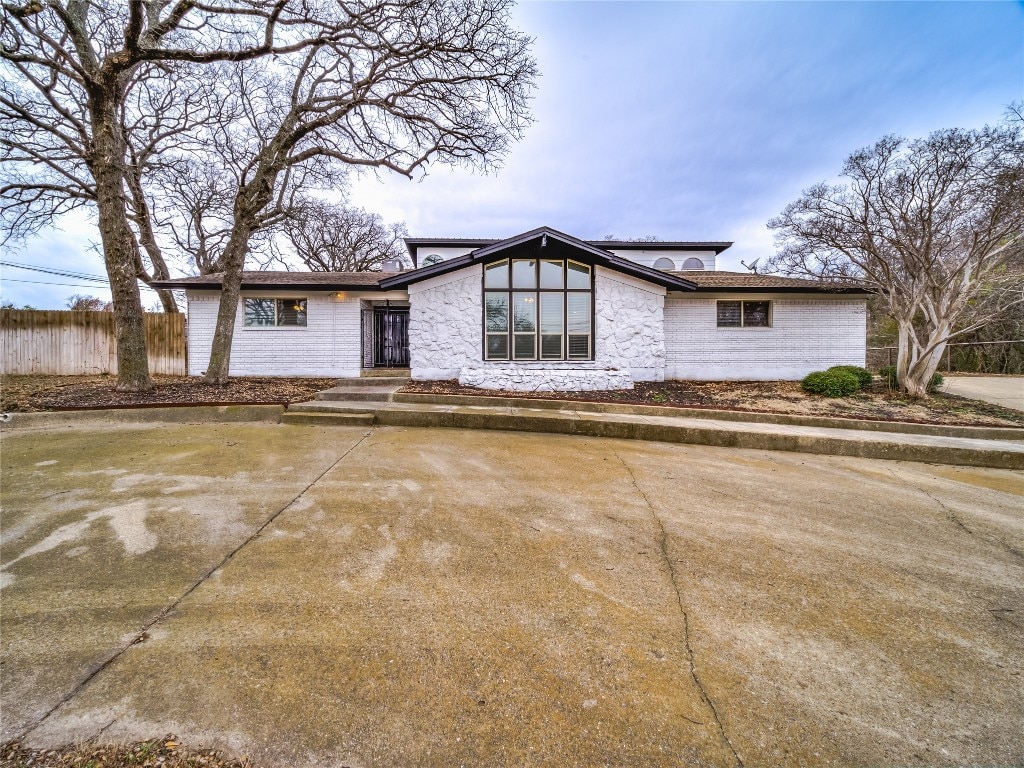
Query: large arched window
[(693, 263), (664, 263), (434, 258), (538, 309)]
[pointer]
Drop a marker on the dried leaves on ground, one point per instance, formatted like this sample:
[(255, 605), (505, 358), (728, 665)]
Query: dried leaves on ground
[(879, 403), (163, 753), (47, 393)]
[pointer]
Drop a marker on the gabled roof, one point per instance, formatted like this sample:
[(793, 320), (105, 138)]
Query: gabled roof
[(492, 250)]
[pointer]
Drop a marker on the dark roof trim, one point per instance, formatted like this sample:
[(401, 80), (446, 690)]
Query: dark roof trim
[(256, 280), (412, 243), (811, 288), (600, 256), (659, 245)]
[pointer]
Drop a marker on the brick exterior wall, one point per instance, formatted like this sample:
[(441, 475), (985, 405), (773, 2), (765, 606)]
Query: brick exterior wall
[(329, 345), (807, 334)]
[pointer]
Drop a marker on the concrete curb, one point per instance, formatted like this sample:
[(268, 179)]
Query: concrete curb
[(909, 428), (178, 415), (631, 429)]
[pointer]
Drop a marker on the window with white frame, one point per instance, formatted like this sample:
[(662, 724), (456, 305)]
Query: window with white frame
[(538, 309), (744, 314), (274, 313)]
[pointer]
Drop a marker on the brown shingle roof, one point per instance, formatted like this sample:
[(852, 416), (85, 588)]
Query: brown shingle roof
[(335, 281), (747, 281), (322, 281)]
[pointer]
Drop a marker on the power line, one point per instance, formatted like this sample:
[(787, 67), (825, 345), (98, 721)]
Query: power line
[(59, 272), (69, 285)]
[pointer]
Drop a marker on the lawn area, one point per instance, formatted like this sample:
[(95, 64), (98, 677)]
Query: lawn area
[(878, 403)]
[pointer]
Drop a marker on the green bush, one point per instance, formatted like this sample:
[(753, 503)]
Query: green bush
[(863, 374), (831, 383), (888, 375)]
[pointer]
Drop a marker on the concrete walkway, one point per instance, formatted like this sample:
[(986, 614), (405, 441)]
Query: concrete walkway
[(1007, 391), (992, 448)]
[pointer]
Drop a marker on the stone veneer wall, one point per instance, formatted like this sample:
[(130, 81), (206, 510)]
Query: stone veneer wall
[(328, 345), (445, 337), (808, 333)]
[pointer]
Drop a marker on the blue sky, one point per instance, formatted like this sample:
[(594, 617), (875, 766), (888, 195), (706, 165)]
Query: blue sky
[(690, 121)]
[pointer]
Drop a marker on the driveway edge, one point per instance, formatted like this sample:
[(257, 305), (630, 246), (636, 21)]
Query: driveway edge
[(178, 415)]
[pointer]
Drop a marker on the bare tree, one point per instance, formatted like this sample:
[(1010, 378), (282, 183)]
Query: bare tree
[(81, 302), (328, 237), (410, 83), (929, 225), (73, 65)]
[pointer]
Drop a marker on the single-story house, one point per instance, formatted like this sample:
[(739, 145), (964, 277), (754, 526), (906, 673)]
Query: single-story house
[(538, 311)]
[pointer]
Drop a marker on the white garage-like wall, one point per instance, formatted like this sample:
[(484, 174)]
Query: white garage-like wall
[(808, 333), (328, 345)]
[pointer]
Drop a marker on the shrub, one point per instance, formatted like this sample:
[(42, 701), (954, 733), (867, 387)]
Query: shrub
[(831, 383), (888, 374), (863, 374)]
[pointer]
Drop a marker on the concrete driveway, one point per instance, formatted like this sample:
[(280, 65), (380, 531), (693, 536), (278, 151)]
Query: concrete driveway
[(1007, 391), (388, 597)]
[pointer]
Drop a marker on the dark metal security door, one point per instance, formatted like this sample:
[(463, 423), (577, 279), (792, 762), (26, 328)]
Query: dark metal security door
[(390, 337)]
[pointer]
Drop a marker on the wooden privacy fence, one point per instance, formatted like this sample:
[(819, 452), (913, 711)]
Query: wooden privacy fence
[(67, 343)]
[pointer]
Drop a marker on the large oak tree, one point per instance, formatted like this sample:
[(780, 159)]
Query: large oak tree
[(74, 63), (932, 226)]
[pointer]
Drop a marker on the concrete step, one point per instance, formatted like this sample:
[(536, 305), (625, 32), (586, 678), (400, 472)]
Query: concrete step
[(335, 406), (374, 381), (327, 419), (374, 394), (377, 373)]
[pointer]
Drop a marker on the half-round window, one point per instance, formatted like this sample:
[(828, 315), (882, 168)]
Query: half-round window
[(693, 263), (434, 258), (664, 264)]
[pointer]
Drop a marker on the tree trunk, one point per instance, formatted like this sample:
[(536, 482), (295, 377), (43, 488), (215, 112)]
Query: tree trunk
[(914, 371), (118, 242), (220, 350)]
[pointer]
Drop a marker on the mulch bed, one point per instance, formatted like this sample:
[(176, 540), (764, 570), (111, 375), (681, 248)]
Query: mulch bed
[(165, 753), (57, 393), (787, 397)]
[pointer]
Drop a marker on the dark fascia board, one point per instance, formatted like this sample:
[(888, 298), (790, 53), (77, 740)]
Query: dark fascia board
[(600, 256), (185, 284), (657, 245), (412, 243), (780, 289)]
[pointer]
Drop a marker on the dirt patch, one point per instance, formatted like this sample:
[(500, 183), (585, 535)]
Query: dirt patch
[(57, 393), (165, 752), (786, 397)]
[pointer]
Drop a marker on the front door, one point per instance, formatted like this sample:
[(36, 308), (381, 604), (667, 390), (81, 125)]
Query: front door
[(390, 338)]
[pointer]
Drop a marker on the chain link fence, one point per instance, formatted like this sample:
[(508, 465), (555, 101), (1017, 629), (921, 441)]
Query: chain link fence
[(965, 357)]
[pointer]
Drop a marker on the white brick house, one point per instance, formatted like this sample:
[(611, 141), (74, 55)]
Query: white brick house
[(539, 311)]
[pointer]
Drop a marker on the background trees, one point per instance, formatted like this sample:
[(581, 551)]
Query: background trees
[(337, 238), (202, 125), (934, 226)]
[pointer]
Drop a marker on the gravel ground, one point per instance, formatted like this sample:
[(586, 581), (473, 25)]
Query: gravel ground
[(165, 752), (879, 403), (58, 393)]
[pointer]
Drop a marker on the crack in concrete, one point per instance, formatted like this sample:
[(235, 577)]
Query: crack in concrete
[(143, 633), (952, 517), (663, 545)]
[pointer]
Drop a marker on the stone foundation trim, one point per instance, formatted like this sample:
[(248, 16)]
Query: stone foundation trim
[(545, 380)]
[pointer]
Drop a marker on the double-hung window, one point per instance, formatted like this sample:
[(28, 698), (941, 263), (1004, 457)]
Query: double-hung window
[(744, 314), (538, 309), (272, 313)]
